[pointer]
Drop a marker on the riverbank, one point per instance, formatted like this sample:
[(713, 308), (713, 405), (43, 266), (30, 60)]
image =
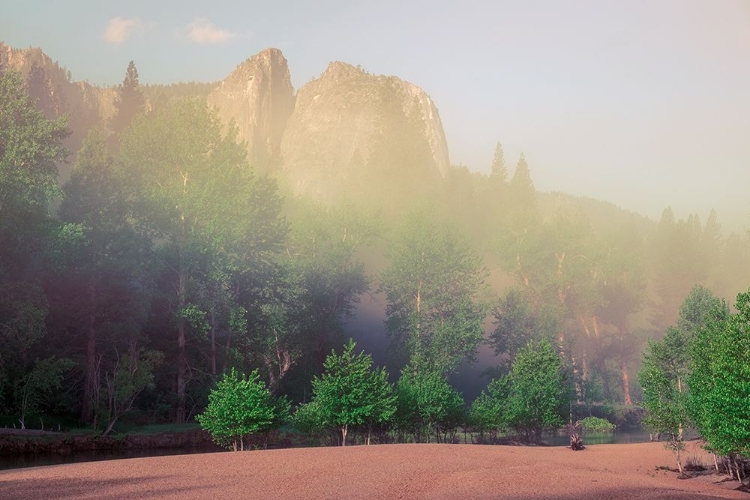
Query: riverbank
[(15, 442), (407, 471)]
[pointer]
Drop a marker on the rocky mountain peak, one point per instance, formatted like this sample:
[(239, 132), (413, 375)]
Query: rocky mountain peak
[(349, 125), (259, 97)]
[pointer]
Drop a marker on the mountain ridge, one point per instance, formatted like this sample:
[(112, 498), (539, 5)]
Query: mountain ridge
[(284, 128)]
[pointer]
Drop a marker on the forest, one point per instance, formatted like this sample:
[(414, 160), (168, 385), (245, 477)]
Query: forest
[(167, 264)]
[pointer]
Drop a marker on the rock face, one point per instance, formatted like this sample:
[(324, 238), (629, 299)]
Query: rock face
[(259, 97), (58, 95), (351, 130), (345, 133)]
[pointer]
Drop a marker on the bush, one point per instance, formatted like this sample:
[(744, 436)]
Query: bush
[(241, 406), (596, 424)]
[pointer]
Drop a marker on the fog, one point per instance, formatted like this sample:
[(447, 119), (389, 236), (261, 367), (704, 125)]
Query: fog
[(641, 105), (468, 180)]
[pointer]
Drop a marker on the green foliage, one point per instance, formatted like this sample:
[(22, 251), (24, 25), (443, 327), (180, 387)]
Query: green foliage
[(488, 411), (539, 395), (176, 243), (40, 384), (322, 279), (350, 393), (666, 368), (596, 424), (517, 323), (719, 402), (666, 365), (699, 307), (31, 146), (195, 318), (130, 375), (308, 419), (432, 285), (240, 406), (427, 403), (218, 224), (662, 377)]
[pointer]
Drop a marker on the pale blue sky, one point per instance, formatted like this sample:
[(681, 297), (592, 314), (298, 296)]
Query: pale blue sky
[(642, 103)]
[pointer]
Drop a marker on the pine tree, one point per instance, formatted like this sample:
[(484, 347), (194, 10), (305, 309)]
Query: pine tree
[(499, 170), (523, 195), (39, 87), (129, 101)]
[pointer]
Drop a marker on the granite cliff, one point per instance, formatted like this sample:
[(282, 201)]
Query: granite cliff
[(347, 132), (352, 129), (258, 96), (58, 95)]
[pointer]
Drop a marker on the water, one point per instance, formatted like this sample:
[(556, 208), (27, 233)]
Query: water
[(41, 459), (593, 438)]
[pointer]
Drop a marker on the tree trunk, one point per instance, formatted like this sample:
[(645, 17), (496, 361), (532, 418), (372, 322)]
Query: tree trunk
[(91, 384), (626, 383), (213, 340), (344, 431), (605, 381), (679, 390), (181, 359), (227, 357)]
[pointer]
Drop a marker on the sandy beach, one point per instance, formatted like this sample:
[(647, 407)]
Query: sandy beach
[(410, 471)]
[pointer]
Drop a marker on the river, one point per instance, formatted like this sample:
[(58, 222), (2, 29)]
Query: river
[(42, 459)]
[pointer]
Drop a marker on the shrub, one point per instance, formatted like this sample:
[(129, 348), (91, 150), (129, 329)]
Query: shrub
[(596, 424), (240, 406)]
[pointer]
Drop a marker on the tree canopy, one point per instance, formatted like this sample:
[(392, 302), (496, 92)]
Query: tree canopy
[(350, 393), (240, 406)]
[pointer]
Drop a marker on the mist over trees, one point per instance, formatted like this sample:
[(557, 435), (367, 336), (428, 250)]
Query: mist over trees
[(167, 266)]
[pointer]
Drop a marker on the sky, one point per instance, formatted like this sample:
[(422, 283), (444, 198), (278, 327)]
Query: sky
[(642, 103)]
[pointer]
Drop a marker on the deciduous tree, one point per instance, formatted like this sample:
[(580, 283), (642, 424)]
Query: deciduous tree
[(350, 393), (193, 190), (539, 394), (432, 285), (240, 406), (719, 401)]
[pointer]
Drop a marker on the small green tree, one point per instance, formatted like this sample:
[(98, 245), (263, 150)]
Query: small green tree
[(40, 384), (426, 402), (308, 420), (719, 401), (662, 377), (666, 368), (350, 393), (539, 394), (487, 413), (240, 406)]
